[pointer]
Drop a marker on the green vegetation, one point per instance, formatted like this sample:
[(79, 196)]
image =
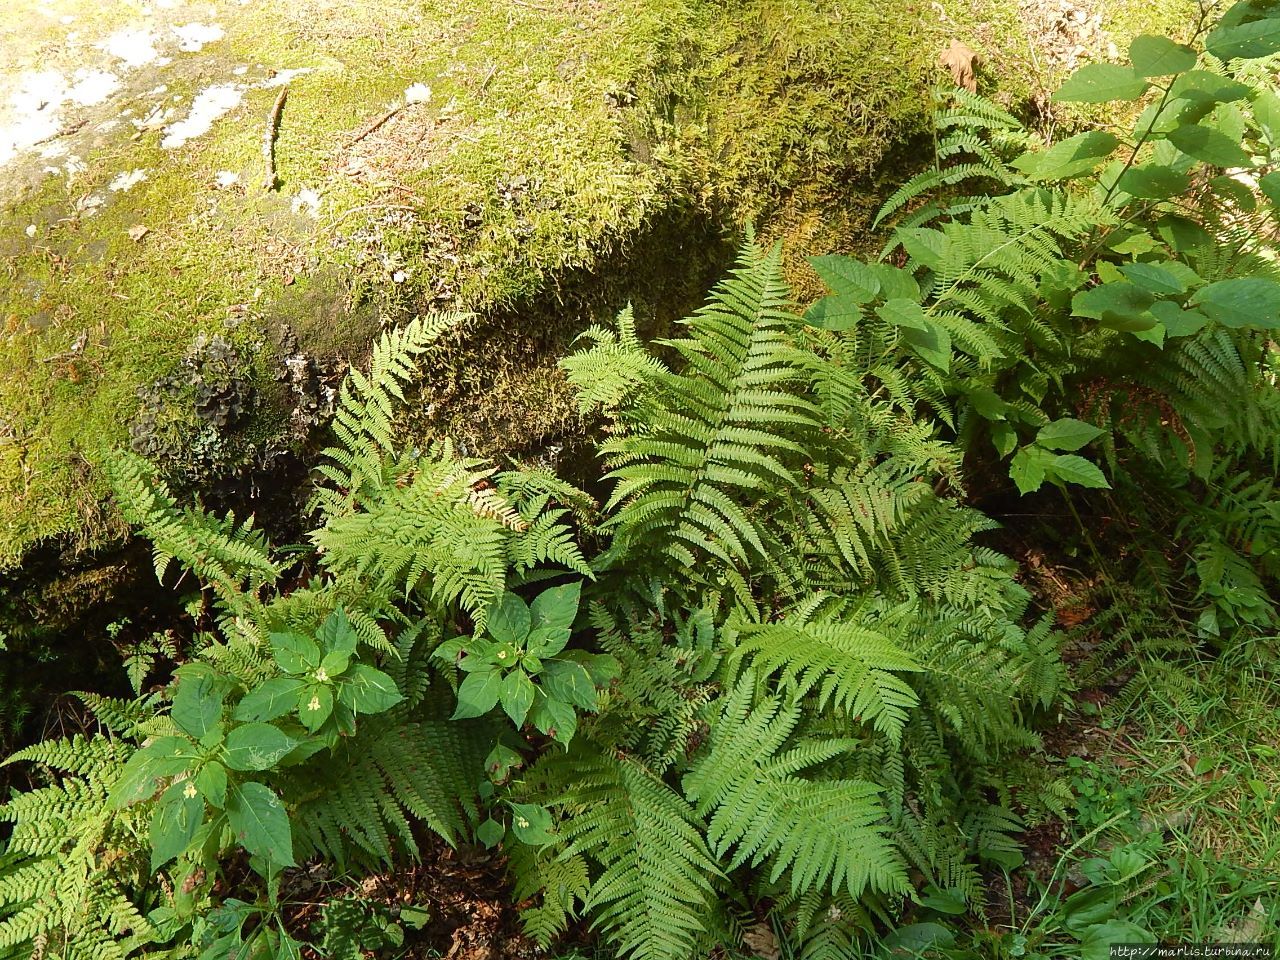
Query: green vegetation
[(772, 680)]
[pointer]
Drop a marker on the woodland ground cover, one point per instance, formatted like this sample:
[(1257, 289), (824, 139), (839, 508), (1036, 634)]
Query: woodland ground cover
[(932, 616)]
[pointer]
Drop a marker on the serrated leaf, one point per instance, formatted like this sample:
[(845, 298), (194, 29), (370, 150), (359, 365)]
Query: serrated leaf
[(336, 635), (197, 706), (555, 718), (556, 608), (1241, 302), (315, 705), (1069, 468), (836, 312), (933, 344), (902, 312), (211, 781), (896, 283), (1245, 41), (847, 277), (271, 699), (1073, 157), (478, 694), (517, 696), (1154, 278), (1027, 469), (259, 822), (568, 682), (1122, 306), (490, 833), (1209, 145), (1270, 187), (531, 824), (1101, 83), (163, 757), (1204, 85), (1177, 321), (173, 825), (372, 691), (294, 652), (257, 746), (1155, 56), (1067, 434), (509, 619)]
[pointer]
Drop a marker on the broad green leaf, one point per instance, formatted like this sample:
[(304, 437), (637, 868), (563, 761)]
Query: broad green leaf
[(1205, 85), (543, 643), (517, 696), (1242, 302), (896, 283), (372, 691), (1266, 113), (211, 781), (531, 824), (556, 607), (848, 277), (478, 694), (988, 405), (1122, 305), (923, 245), (490, 833), (1153, 334), (1004, 438), (197, 706), (836, 312), (294, 652), (932, 343), (569, 682), (334, 663), (555, 718), (1154, 277), (260, 823), (1096, 941), (509, 619), (916, 939), (257, 746), (1072, 469), (500, 761), (1154, 56), (1100, 83), (336, 634), (1177, 321), (1270, 187), (1182, 234), (269, 700), (1073, 157), (1207, 144), (904, 313), (1067, 434), (1027, 469), (1153, 182), (163, 757), (1245, 40), (173, 825), (315, 705)]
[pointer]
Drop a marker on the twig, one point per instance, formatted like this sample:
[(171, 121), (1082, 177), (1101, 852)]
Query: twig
[(64, 132), (376, 124), (533, 6), (269, 139)]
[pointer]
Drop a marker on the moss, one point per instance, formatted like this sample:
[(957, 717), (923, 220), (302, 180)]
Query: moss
[(567, 161)]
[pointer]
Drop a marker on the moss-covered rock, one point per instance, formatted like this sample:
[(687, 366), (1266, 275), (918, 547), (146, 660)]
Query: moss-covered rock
[(534, 163)]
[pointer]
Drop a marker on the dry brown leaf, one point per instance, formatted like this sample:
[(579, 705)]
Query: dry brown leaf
[(760, 940), (138, 231), (960, 59)]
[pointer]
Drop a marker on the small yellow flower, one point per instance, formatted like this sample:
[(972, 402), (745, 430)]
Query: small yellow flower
[(190, 791), (502, 654), (521, 822), (322, 675), (314, 704)]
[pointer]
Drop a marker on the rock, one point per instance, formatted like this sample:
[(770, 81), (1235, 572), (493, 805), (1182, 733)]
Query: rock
[(540, 167)]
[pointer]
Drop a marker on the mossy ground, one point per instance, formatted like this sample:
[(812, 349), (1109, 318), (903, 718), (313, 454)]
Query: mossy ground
[(572, 156)]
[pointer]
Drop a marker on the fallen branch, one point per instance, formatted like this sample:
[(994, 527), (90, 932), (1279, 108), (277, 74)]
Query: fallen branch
[(376, 124), (269, 139)]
